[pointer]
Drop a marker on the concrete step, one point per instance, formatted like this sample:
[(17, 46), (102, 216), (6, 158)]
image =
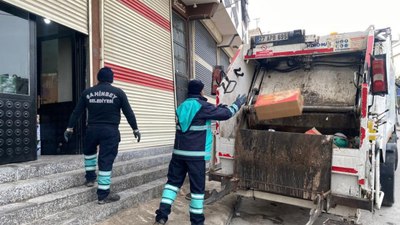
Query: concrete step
[(27, 189), (47, 165), (93, 212), (39, 207)]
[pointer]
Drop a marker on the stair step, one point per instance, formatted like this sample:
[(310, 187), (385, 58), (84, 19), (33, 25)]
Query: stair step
[(26, 189), (36, 208), (93, 212), (47, 165)]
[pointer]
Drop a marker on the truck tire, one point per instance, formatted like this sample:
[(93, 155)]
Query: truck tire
[(387, 175), (392, 147), (396, 159)]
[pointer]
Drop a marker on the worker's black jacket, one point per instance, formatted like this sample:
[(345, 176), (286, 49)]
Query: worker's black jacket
[(193, 137), (104, 103)]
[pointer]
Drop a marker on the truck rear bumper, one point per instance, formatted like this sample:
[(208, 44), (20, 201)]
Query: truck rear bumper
[(349, 210), (276, 198), (352, 202)]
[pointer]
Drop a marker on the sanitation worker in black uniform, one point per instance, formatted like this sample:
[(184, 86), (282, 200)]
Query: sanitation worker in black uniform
[(104, 103), (192, 148)]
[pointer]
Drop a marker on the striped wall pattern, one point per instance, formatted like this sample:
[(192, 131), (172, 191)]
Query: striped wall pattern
[(137, 46)]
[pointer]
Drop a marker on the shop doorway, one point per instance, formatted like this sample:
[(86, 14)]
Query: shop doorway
[(42, 73), (60, 81)]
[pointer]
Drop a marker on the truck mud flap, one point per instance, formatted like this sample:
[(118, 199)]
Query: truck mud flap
[(291, 164)]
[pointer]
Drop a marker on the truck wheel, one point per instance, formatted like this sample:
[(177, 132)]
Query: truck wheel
[(396, 159), (392, 147), (387, 177)]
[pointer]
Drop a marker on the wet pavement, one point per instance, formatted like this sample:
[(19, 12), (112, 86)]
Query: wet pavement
[(216, 214), (250, 212)]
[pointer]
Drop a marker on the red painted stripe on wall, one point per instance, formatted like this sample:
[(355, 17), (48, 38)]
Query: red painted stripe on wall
[(140, 78), (147, 12)]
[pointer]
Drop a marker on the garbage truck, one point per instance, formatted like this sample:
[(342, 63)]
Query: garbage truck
[(318, 129)]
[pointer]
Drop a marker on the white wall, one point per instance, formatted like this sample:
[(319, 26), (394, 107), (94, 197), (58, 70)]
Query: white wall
[(234, 9)]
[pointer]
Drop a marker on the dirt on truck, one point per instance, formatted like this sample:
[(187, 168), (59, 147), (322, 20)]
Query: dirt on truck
[(318, 128)]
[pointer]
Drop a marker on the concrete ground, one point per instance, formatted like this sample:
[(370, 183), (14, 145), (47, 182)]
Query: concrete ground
[(216, 214)]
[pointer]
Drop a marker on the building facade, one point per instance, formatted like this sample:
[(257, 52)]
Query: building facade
[(396, 58), (51, 51)]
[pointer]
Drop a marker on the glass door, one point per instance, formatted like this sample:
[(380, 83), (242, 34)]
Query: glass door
[(17, 91)]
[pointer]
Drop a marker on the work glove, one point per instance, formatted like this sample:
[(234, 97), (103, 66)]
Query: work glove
[(68, 134), (137, 134), (240, 100)]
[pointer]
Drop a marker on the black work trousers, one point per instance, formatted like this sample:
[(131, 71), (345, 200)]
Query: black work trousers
[(177, 171), (107, 137)]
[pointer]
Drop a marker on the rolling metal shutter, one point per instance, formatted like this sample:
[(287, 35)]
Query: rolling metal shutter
[(206, 55), (70, 13), (138, 48), (224, 60), (204, 74)]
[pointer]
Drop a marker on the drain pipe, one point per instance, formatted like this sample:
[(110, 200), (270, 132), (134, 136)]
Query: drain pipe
[(101, 15)]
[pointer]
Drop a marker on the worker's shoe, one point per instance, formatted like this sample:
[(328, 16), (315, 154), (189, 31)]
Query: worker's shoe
[(110, 198), (90, 183), (160, 222)]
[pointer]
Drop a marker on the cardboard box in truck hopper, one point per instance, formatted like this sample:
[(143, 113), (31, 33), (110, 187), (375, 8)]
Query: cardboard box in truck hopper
[(279, 104)]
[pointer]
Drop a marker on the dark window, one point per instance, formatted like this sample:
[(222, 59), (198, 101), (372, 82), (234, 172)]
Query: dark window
[(14, 53), (180, 57), (245, 14), (180, 45)]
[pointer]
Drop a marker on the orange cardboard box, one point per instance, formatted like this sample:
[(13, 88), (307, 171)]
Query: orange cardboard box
[(279, 104)]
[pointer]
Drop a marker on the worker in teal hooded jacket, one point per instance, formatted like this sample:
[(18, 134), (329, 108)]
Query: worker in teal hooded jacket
[(193, 141)]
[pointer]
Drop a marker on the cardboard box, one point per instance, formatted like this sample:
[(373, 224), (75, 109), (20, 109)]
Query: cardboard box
[(279, 105)]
